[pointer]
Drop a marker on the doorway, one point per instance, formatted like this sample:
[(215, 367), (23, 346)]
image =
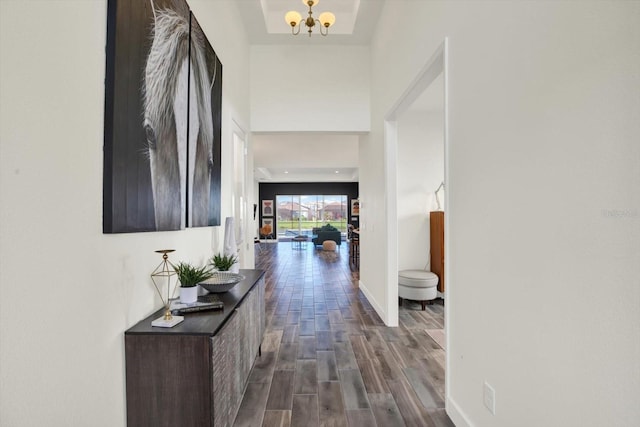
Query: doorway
[(239, 197), (433, 76)]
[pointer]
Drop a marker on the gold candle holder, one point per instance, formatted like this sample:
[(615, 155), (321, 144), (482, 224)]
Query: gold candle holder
[(163, 275)]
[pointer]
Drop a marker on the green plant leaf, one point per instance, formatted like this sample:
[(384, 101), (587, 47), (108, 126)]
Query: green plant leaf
[(223, 262), (190, 276)]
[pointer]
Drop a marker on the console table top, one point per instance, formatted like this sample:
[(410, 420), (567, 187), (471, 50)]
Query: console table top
[(204, 322)]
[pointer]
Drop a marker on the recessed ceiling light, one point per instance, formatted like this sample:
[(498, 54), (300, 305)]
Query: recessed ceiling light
[(286, 171), (337, 171)]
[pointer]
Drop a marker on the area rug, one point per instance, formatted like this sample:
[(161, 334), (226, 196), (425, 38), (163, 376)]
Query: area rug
[(438, 336)]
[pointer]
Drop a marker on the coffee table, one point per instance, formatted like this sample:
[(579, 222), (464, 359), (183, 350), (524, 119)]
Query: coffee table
[(299, 242)]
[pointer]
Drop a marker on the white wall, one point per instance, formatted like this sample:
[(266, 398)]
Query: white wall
[(310, 88), (68, 292), (304, 150), (543, 198), (421, 160)]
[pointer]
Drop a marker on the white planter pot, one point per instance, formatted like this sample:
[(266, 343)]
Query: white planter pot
[(189, 295)]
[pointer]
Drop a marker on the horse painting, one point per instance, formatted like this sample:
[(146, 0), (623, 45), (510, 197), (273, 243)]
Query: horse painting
[(163, 101), (178, 120)]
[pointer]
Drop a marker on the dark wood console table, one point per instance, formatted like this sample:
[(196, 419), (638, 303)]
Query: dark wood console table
[(195, 373)]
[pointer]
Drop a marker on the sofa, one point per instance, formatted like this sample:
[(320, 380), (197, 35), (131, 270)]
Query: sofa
[(326, 232)]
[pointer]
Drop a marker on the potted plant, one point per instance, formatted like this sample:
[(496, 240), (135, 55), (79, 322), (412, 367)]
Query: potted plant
[(189, 277), (223, 262)]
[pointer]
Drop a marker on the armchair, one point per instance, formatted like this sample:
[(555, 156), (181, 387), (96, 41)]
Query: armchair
[(266, 232)]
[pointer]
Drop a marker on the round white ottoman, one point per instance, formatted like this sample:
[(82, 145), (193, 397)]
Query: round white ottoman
[(329, 245), (417, 285)]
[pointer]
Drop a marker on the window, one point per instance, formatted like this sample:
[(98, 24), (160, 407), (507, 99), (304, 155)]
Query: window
[(299, 214)]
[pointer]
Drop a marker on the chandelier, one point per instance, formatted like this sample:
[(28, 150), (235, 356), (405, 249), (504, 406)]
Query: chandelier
[(294, 19)]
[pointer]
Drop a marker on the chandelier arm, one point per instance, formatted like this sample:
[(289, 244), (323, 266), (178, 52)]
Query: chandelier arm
[(326, 29), (295, 33)]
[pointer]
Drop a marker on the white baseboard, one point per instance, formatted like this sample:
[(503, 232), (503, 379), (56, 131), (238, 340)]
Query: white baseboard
[(376, 306), (456, 414)]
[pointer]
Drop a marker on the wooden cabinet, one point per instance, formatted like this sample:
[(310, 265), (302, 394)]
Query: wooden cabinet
[(234, 350), (195, 373), (226, 376), (436, 220)]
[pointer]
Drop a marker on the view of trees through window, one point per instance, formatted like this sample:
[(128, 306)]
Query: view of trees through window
[(300, 214)]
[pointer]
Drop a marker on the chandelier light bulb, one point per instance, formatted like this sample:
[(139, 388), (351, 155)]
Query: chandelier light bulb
[(327, 19), (293, 18)]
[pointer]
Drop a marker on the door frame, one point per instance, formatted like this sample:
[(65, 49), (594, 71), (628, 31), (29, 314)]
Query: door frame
[(436, 65)]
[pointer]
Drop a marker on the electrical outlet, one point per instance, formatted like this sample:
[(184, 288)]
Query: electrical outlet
[(489, 396)]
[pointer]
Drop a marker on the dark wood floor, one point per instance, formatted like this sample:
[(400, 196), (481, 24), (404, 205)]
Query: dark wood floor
[(327, 358)]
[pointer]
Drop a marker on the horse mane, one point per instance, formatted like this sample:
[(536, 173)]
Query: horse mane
[(203, 85), (169, 49), (203, 153), (171, 36)]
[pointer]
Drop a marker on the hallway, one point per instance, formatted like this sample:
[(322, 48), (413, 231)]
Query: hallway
[(327, 358)]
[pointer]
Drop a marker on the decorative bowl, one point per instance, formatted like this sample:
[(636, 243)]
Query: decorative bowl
[(221, 281)]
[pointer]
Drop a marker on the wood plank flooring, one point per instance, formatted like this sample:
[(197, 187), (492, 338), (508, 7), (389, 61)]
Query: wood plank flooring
[(327, 358)]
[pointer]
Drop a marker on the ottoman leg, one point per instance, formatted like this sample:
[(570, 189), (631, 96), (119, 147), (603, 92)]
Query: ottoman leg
[(423, 305)]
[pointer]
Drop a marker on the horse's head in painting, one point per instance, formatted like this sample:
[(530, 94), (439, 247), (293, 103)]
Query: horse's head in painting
[(177, 120)]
